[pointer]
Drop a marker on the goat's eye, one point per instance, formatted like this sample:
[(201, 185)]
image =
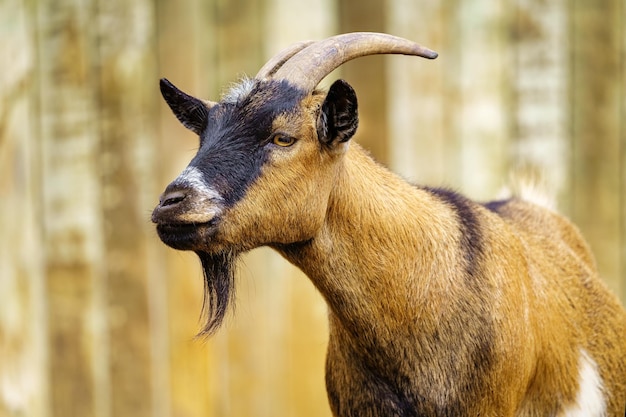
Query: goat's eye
[(283, 140)]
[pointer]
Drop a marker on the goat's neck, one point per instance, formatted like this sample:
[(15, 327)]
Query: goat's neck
[(373, 258)]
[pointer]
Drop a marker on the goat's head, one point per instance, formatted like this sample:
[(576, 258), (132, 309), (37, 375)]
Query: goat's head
[(269, 151)]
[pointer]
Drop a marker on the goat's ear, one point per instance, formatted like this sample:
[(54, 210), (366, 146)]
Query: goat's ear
[(190, 111), (338, 118)]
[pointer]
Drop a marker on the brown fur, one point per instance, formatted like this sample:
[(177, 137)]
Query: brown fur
[(438, 305), (400, 301)]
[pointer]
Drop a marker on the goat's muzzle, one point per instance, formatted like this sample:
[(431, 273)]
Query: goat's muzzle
[(185, 218)]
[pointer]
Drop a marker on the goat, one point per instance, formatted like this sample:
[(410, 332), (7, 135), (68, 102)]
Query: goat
[(438, 305)]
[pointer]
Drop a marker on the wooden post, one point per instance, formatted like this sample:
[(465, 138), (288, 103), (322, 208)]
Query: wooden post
[(477, 107), (23, 343), (540, 96), (368, 75), (127, 99), (73, 235), (596, 111), (622, 162), (420, 150)]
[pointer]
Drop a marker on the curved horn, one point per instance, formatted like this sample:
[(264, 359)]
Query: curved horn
[(308, 67), (280, 58)]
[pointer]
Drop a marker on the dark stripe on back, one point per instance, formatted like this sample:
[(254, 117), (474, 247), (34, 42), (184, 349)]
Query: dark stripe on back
[(495, 206), (480, 336), (471, 242)]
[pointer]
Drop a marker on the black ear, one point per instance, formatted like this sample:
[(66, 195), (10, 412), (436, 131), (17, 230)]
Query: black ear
[(192, 112), (338, 118)]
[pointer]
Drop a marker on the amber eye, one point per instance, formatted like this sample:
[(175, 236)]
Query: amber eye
[(283, 140)]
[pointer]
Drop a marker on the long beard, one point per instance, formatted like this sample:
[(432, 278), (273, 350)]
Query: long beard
[(219, 288)]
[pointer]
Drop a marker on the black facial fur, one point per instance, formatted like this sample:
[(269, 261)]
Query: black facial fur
[(190, 111), (233, 145), (233, 134)]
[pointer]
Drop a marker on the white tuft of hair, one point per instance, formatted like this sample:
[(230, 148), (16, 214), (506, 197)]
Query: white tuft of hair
[(529, 185), (239, 90)]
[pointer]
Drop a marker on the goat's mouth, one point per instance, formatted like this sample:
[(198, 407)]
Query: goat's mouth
[(186, 236)]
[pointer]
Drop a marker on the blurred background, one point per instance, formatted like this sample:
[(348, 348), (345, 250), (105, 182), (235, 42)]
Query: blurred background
[(98, 317)]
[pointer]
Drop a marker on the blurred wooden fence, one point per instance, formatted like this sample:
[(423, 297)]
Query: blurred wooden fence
[(97, 317)]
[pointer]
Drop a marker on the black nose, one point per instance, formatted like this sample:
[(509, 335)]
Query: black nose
[(169, 204), (172, 198)]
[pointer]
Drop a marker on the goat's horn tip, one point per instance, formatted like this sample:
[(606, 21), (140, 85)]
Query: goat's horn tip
[(428, 53)]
